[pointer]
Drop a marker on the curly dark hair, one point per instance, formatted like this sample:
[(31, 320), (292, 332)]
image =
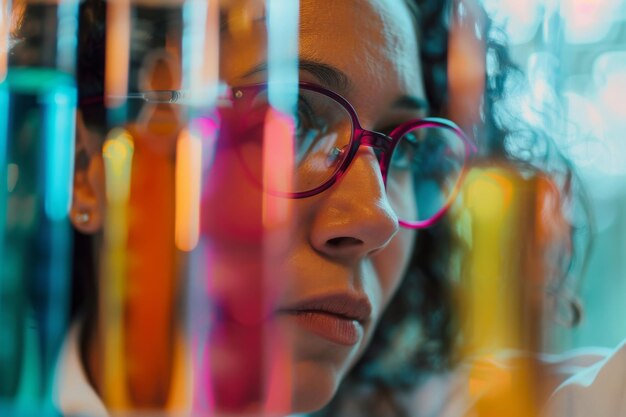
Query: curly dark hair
[(419, 332)]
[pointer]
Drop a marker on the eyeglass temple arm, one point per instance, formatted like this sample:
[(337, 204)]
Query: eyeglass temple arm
[(156, 96), (173, 96)]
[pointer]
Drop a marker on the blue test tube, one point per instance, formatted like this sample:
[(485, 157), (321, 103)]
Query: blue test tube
[(37, 118)]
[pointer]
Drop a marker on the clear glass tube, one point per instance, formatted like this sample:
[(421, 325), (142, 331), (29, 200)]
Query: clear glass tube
[(161, 70)]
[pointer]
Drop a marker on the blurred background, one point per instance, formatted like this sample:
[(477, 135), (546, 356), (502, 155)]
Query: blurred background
[(573, 53)]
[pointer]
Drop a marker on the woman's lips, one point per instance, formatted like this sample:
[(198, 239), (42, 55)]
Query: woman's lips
[(338, 318), (334, 328)]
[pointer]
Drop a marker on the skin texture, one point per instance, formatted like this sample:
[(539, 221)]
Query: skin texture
[(345, 240)]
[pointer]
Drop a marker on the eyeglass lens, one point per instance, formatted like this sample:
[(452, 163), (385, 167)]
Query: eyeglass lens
[(423, 173)]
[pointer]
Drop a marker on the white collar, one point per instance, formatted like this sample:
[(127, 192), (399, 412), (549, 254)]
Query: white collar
[(74, 394), (596, 391)]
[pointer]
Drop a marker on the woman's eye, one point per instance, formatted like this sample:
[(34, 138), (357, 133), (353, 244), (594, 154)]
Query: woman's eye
[(306, 119), (406, 151), (309, 128)]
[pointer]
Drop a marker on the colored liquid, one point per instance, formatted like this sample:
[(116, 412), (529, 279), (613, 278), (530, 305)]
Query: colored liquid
[(37, 119)]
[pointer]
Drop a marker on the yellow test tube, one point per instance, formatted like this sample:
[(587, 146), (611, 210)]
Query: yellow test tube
[(117, 154), (502, 221)]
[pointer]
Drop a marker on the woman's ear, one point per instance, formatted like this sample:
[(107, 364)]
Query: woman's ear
[(86, 213)]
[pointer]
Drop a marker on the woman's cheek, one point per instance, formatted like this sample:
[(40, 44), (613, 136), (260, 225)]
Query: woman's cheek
[(392, 263)]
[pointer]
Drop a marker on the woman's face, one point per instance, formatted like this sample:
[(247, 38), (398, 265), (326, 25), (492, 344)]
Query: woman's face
[(335, 266), (297, 286)]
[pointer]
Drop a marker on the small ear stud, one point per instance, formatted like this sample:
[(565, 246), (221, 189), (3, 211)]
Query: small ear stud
[(82, 217)]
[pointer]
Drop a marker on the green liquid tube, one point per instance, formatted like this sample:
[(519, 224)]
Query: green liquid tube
[(35, 268), (37, 124)]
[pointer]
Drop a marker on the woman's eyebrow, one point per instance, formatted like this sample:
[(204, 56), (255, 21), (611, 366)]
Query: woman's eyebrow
[(331, 77), (412, 103)]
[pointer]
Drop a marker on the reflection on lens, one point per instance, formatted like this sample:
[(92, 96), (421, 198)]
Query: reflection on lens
[(322, 131), (424, 170)]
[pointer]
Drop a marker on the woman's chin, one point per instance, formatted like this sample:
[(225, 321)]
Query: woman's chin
[(314, 386), (310, 388), (299, 380)]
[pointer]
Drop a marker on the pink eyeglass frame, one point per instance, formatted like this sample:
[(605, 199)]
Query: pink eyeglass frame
[(376, 140)]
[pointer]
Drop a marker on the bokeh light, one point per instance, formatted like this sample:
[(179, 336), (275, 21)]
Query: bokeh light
[(520, 20), (589, 21), (576, 77)]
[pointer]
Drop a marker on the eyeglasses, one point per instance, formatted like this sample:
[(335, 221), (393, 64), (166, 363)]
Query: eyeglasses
[(422, 161)]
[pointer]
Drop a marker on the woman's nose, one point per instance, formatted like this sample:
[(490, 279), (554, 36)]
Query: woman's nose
[(354, 218)]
